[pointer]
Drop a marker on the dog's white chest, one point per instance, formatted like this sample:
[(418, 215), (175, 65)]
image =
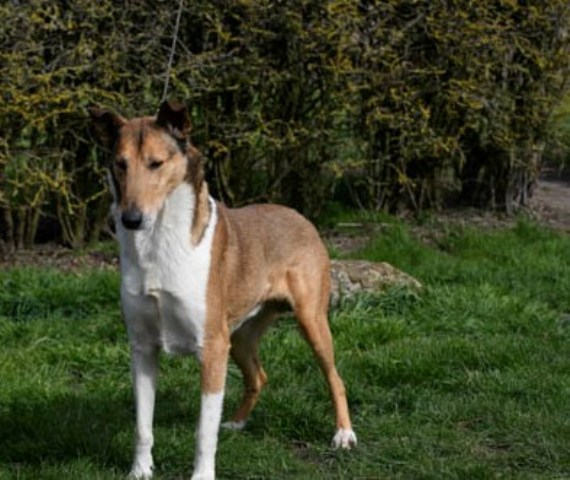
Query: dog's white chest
[(164, 278)]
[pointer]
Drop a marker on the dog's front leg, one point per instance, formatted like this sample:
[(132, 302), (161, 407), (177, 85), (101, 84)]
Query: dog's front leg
[(213, 377), (144, 365)]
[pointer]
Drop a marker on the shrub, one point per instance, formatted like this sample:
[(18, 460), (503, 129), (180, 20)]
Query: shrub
[(411, 103), (557, 150), (454, 96)]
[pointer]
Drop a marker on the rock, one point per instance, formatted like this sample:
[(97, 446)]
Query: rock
[(349, 277)]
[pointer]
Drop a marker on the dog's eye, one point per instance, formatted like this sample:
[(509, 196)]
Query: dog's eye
[(121, 164), (155, 164)]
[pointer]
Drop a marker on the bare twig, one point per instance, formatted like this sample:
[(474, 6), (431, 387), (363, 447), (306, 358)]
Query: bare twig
[(172, 49)]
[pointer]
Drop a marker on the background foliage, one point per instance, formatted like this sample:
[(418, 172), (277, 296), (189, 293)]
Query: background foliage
[(396, 104), (556, 153)]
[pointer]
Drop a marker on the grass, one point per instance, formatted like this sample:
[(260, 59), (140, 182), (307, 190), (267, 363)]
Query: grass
[(469, 379)]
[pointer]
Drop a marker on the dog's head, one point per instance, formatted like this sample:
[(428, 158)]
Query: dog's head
[(151, 157)]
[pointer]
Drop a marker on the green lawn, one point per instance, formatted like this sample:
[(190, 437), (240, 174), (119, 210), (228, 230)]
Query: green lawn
[(470, 379)]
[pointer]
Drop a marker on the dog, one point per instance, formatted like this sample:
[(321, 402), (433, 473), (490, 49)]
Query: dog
[(203, 279)]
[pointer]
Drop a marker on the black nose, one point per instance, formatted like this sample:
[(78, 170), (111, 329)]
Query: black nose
[(132, 219)]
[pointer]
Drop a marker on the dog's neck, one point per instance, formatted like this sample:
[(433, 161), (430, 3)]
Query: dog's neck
[(201, 201), (201, 214), (188, 208)]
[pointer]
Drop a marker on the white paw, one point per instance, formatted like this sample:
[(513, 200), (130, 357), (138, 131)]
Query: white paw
[(204, 475), (234, 425), (141, 470), (344, 438)]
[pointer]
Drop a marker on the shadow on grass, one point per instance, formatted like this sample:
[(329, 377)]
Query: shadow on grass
[(67, 427), (96, 426)]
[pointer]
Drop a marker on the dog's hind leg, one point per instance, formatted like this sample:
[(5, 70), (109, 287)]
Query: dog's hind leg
[(310, 304), (245, 352)]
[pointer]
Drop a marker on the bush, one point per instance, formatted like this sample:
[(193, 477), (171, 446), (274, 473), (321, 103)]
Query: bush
[(557, 150), (407, 103), (454, 97)]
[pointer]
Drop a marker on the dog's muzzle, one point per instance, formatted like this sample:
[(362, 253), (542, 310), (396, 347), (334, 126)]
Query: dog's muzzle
[(132, 219)]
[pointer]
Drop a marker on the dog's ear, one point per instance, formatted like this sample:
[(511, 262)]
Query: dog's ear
[(174, 117), (105, 125)]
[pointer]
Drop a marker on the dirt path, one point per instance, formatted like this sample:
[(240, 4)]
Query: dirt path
[(550, 203)]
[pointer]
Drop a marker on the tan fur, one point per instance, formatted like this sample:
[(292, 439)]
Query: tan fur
[(262, 256), (201, 215), (267, 253), (141, 143)]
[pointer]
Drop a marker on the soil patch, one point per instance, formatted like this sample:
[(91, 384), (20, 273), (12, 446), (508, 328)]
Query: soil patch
[(550, 202), (58, 257), (550, 205)]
